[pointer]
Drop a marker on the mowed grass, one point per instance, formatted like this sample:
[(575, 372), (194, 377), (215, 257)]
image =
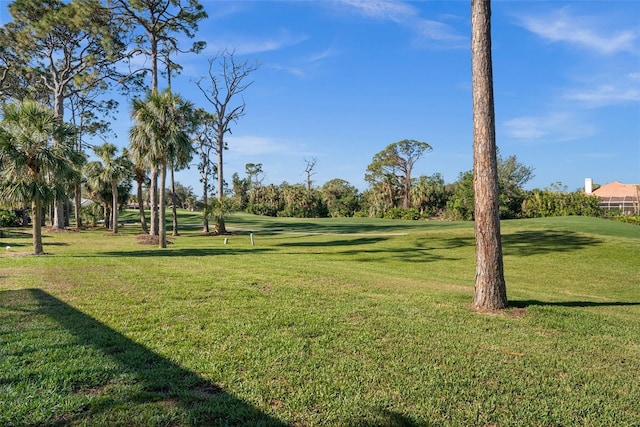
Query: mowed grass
[(346, 322)]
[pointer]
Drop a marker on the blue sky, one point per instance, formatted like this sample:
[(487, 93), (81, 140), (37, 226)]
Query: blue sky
[(340, 80)]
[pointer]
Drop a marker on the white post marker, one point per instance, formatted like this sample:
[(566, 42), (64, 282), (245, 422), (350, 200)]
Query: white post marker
[(226, 240), (251, 236)]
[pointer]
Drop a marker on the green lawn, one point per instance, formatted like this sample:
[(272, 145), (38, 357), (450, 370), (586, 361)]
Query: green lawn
[(349, 322)]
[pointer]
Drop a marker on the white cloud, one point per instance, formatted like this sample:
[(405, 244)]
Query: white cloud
[(249, 46), (584, 31), (607, 94), (406, 15), (255, 145), (553, 127)]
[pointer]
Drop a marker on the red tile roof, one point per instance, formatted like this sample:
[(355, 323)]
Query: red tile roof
[(618, 189)]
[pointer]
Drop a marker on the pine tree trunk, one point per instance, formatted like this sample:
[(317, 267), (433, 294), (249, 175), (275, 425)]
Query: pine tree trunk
[(490, 289)]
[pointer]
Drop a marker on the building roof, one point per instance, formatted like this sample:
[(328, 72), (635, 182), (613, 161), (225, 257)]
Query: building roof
[(618, 189)]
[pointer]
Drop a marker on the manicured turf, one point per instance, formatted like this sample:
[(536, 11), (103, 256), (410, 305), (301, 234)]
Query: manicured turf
[(321, 322)]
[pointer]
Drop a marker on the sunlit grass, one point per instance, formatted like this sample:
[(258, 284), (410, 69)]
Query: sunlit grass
[(366, 324)]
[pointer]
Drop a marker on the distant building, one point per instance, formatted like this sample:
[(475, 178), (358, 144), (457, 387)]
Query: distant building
[(616, 196)]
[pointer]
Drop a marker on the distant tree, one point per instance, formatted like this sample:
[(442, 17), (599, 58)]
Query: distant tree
[(140, 177), (308, 170), (204, 142), (341, 198), (255, 174), (240, 191), (301, 203), (222, 90), (266, 200), (490, 291), (397, 160), (512, 175), (112, 169), (33, 168), (429, 194)]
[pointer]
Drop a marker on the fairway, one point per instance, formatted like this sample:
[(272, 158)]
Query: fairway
[(328, 322)]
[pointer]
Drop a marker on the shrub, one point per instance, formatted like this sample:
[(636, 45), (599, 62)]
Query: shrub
[(9, 219)]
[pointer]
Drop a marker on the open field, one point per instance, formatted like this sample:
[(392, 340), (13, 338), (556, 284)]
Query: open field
[(348, 322)]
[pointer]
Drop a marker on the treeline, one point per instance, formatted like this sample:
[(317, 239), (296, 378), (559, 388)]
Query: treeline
[(429, 197)]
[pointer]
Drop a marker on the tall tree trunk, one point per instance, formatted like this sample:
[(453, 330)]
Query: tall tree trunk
[(173, 203), (114, 208), (153, 200), (220, 225), (162, 236), (490, 290), (143, 219), (78, 205), (205, 200), (36, 225), (58, 214)]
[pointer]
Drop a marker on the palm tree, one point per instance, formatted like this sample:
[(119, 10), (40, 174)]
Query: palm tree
[(111, 170), (162, 122), (34, 170)]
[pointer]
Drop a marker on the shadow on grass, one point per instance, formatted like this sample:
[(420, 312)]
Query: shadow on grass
[(529, 303), (169, 252), (525, 243), (336, 225), (128, 381), (534, 242), (336, 242)]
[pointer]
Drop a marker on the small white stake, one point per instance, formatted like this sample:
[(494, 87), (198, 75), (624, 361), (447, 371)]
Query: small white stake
[(226, 240), (251, 236)]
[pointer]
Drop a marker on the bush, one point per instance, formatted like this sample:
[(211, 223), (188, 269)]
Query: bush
[(398, 213), (9, 219), (629, 219)]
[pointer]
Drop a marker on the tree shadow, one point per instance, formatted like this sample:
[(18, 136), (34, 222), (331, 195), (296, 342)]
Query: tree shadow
[(336, 242), (121, 376), (169, 252), (533, 242), (526, 243), (529, 303)]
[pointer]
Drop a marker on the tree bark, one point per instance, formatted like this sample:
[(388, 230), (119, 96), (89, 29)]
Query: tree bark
[(143, 219), (114, 208), (490, 289), (36, 224), (173, 203), (78, 205), (162, 231), (153, 200)]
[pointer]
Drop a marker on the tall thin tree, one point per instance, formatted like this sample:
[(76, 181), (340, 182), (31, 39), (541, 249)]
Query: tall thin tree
[(225, 85), (153, 25), (490, 291)]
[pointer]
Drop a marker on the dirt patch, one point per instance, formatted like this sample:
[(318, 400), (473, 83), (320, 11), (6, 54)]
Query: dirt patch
[(147, 239), (513, 312)]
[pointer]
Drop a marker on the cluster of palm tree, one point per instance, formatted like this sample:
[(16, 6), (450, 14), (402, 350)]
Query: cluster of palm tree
[(38, 157)]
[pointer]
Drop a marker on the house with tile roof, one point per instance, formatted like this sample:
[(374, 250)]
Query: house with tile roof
[(617, 196)]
